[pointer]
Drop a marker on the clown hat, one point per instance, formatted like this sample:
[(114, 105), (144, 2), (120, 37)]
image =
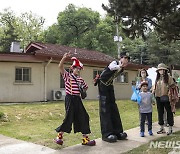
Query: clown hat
[(76, 63)]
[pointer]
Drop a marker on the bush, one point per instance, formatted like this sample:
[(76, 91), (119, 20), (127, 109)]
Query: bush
[(1, 115)]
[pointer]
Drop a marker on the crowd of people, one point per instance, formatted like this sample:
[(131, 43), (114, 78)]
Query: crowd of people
[(110, 120), (165, 93)]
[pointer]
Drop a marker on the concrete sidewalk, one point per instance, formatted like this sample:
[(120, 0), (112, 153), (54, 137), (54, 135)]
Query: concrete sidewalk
[(13, 146), (133, 141)]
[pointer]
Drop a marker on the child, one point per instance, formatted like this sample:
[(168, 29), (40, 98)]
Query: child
[(145, 109), (75, 111)]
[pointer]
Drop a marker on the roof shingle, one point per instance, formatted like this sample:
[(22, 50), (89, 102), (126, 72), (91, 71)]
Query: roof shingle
[(57, 51), (40, 52)]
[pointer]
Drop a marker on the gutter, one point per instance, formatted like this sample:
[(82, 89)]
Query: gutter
[(45, 79)]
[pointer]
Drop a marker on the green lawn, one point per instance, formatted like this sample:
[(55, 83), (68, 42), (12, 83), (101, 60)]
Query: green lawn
[(147, 149), (36, 122)]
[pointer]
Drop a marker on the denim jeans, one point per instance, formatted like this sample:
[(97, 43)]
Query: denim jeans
[(143, 118)]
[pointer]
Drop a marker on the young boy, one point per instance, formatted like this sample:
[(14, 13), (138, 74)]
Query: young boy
[(75, 112), (145, 109)]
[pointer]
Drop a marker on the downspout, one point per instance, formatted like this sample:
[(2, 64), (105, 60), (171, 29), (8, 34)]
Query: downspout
[(45, 79)]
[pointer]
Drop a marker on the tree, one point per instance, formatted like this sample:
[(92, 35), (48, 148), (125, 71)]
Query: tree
[(138, 17), (136, 49), (75, 23), (7, 30), (29, 27), (24, 29), (103, 37), (162, 51), (82, 27), (51, 35)]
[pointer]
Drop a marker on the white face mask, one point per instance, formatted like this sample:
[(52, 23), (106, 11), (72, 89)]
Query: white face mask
[(76, 71)]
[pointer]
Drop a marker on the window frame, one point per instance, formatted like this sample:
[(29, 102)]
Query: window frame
[(23, 75), (119, 78)]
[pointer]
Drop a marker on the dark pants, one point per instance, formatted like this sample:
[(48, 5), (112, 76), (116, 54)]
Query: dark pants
[(160, 108), (109, 114), (145, 116), (140, 116), (76, 114)]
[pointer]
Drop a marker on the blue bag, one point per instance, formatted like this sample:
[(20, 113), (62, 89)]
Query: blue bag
[(135, 96)]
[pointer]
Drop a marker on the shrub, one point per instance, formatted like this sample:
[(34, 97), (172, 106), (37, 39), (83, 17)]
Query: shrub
[(1, 115)]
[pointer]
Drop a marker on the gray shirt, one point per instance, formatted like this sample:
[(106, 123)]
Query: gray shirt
[(146, 102)]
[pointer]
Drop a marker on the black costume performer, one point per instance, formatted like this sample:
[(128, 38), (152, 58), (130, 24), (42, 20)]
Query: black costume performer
[(111, 125)]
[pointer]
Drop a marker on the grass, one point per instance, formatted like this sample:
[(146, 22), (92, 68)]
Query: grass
[(145, 149), (36, 122)]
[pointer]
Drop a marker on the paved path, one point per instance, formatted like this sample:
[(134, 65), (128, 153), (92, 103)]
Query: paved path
[(13, 146)]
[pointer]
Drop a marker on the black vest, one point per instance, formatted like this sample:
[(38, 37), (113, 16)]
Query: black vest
[(107, 76)]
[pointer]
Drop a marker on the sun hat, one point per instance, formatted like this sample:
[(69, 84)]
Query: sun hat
[(162, 66)]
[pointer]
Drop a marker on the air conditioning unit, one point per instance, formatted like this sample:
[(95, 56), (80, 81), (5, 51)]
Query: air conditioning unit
[(58, 94)]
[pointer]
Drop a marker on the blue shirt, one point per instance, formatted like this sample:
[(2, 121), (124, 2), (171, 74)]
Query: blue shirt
[(149, 81)]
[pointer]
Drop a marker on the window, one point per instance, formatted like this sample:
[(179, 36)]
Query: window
[(122, 78), (95, 72), (23, 74)]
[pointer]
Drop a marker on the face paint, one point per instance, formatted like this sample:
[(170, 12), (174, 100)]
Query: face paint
[(76, 70)]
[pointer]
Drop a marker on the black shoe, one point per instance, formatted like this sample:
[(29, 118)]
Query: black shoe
[(121, 136), (110, 138)]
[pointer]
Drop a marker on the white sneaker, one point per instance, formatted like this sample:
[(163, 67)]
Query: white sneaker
[(161, 131)]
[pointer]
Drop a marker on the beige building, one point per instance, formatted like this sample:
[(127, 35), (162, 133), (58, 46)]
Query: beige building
[(34, 75)]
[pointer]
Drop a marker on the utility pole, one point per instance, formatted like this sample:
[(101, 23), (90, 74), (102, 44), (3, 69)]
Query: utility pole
[(117, 33), (142, 54), (141, 57), (117, 38)]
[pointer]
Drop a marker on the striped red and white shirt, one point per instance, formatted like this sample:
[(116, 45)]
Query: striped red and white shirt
[(71, 85)]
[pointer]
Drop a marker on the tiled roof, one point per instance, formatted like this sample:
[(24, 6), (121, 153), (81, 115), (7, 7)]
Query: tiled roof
[(89, 57), (18, 57), (57, 51), (40, 52), (132, 66)]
